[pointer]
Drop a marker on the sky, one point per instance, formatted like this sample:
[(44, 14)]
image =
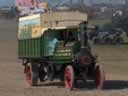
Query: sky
[(11, 2)]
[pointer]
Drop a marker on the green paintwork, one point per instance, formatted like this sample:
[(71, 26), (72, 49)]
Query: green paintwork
[(63, 55), (29, 48), (40, 47)]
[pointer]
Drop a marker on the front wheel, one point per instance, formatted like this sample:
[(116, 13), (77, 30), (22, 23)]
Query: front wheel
[(99, 77), (31, 75), (69, 77)]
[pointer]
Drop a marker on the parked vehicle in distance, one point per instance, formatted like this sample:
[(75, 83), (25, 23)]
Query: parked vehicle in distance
[(110, 37)]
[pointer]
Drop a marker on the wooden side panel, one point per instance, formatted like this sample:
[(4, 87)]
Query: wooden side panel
[(29, 48)]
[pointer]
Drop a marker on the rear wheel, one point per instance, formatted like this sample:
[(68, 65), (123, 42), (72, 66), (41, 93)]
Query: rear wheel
[(42, 73), (100, 78), (31, 75), (69, 77)]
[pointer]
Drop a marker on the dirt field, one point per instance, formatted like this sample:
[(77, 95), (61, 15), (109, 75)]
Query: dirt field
[(113, 58)]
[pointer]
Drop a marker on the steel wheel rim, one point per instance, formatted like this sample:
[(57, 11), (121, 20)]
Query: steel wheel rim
[(99, 78), (98, 82), (28, 74), (68, 78)]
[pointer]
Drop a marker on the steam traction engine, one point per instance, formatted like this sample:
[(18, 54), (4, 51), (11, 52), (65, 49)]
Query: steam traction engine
[(52, 47)]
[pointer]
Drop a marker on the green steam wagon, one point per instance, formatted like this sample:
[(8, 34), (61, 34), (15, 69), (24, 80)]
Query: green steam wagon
[(54, 45)]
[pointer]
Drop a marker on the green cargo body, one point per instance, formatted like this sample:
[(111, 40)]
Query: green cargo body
[(39, 47), (29, 48), (33, 48), (29, 41), (32, 41)]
